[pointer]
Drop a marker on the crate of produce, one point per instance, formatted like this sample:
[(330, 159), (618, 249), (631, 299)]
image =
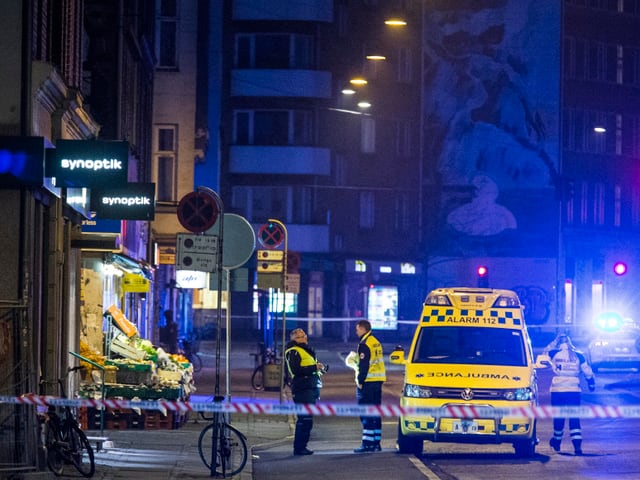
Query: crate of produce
[(166, 393), (131, 366), (123, 391), (132, 373), (133, 377)]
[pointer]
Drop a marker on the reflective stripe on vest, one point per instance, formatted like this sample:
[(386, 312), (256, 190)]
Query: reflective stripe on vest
[(376, 362), (306, 359)]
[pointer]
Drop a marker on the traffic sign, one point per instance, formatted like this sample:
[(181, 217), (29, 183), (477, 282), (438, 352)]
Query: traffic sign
[(197, 211), (292, 283), (270, 280), (271, 235), (196, 252), (239, 240), (270, 261), (270, 255)]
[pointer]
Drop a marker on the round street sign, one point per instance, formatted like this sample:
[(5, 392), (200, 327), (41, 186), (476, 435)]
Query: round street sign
[(197, 211), (271, 235), (239, 240)]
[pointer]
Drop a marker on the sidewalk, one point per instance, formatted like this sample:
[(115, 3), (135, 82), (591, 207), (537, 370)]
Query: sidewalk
[(173, 454)]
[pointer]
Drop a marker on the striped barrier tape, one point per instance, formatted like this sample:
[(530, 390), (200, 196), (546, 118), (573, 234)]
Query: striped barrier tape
[(336, 409)]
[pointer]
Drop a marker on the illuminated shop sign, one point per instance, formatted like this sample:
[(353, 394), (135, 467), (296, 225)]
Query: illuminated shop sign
[(382, 307), (78, 199), (93, 224), (88, 163), (22, 160), (132, 201)]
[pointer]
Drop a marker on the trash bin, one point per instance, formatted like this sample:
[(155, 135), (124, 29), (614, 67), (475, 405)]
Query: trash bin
[(272, 377)]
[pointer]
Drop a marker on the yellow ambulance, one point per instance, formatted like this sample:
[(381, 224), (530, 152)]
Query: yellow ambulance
[(470, 348)]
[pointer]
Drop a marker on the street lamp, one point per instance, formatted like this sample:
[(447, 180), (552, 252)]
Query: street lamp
[(395, 22), (358, 81)]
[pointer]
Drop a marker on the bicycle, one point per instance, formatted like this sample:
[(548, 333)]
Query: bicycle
[(65, 442), (190, 351), (224, 444), (266, 356)]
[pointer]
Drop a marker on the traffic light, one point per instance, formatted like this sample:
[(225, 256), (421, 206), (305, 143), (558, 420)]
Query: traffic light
[(619, 268), (483, 276)]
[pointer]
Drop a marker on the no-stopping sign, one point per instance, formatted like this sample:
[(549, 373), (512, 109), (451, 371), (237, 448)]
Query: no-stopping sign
[(197, 211)]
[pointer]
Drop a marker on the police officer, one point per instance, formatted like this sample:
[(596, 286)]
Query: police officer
[(370, 377), (568, 364), (304, 371)]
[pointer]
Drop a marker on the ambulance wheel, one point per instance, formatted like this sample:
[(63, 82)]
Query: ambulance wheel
[(526, 448), (408, 444)]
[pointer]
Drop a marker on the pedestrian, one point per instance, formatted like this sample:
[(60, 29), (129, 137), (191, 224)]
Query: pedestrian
[(370, 377), (169, 333), (568, 364), (305, 372)]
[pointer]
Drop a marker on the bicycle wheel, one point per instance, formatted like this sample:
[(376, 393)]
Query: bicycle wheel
[(81, 452), (231, 449), (196, 361), (257, 379), (55, 456)]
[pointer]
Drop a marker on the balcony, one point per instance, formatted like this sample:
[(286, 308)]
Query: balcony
[(306, 238), (282, 10), (279, 160), (280, 83)]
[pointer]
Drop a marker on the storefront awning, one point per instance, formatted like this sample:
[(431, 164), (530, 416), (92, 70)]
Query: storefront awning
[(130, 265)]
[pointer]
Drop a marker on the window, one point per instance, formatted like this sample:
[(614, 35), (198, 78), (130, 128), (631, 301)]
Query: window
[(274, 50), (367, 210), (635, 207), (405, 67), (368, 135), (404, 145), (617, 206), (167, 34), (402, 209), (599, 200), (261, 203), (273, 127), (165, 154)]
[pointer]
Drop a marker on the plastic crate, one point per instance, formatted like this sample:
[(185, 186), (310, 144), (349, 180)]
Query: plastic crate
[(133, 377)]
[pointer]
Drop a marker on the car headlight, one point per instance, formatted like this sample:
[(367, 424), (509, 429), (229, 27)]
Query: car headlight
[(519, 394), (417, 391)]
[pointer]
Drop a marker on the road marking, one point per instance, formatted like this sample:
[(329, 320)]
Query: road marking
[(426, 471)]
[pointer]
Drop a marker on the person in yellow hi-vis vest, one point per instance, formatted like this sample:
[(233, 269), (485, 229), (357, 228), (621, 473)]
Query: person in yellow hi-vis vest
[(371, 375), (304, 371)]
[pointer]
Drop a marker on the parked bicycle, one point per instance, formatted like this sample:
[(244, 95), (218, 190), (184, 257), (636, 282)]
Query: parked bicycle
[(266, 356), (190, 349), (223, 444), (65, 442)]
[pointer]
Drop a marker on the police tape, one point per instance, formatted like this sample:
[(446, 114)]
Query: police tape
[(335, 409)]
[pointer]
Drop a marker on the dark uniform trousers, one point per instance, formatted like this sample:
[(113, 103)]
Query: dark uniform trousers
[(370, 394), (304, 423)]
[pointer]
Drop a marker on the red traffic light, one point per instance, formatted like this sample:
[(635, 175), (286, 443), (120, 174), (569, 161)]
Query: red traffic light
[(482, 271), (619, 268)]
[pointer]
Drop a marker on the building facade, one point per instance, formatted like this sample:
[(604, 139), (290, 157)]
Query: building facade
[(74, 71)]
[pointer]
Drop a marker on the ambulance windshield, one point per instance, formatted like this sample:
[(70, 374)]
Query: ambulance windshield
[(470, 345)]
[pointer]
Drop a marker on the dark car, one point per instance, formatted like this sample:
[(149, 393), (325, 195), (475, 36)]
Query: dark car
[(616, 348)]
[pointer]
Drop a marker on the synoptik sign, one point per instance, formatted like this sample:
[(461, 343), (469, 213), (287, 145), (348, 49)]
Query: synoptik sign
[(88, 163), (132, 201)]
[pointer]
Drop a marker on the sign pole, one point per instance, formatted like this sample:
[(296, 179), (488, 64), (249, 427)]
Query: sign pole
[(284, 303), (216, 395)]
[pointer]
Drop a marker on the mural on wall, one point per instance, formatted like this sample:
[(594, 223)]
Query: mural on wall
[(491, 112)]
